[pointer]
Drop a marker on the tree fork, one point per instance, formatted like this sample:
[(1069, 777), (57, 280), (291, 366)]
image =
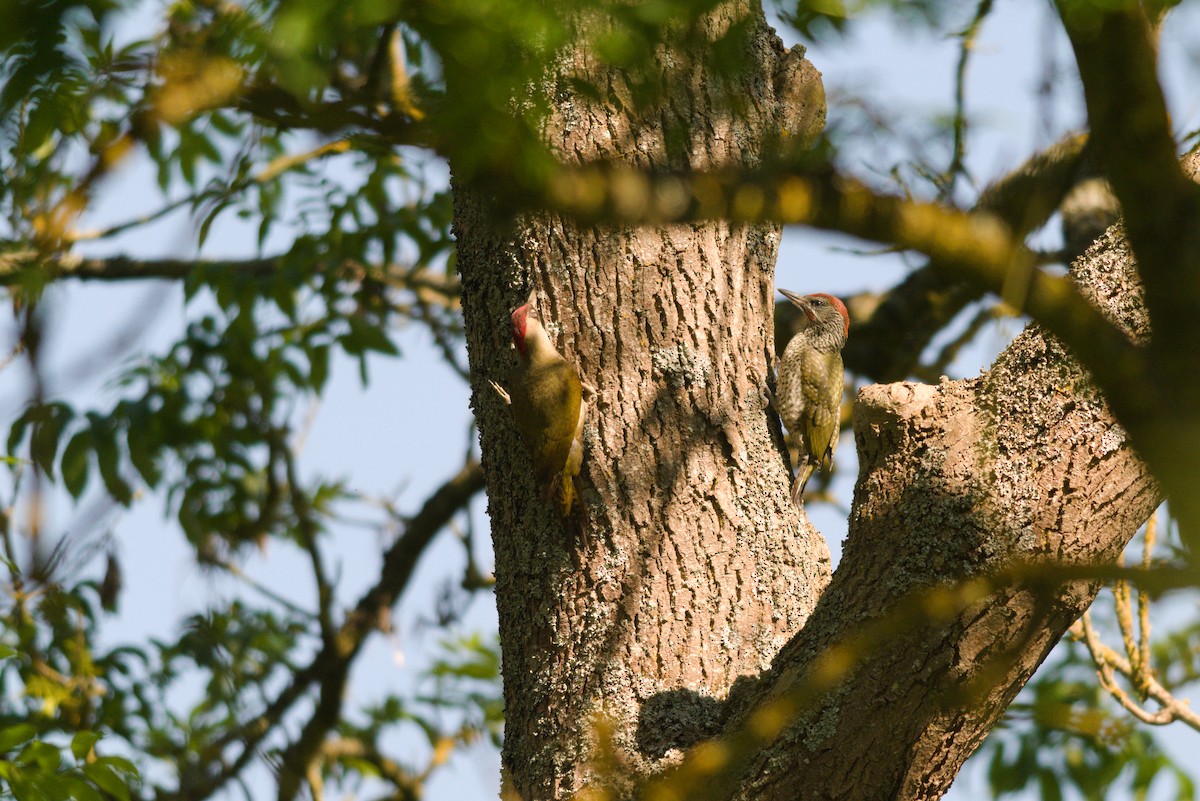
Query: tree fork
[(1024, 464)]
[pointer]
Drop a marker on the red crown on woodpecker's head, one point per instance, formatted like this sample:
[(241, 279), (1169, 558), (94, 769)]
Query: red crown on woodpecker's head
[(520, 322), (837, 304), (520, 319)]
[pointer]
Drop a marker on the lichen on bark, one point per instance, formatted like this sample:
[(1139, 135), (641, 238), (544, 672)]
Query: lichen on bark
[(688, 565)]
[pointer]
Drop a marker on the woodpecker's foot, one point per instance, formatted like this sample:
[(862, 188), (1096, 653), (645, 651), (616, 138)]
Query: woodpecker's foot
[(500, 391), (589, 392), (768, 396)]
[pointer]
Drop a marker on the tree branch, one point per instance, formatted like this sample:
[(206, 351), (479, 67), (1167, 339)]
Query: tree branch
[(1130, 126), (887, 344), (712, 769), (330, 666), (406, 784), (434, 287), (959, 484), (1116, 54), (368, 615), (279, 107), (1107, 661), (401, 558), (308, 531)]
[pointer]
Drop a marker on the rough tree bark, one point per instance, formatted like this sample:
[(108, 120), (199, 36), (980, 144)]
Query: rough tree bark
[(1021, 465), (688, 567)]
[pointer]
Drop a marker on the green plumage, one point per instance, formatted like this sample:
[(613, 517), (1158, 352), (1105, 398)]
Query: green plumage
[(546, 398), (808, 393), (819, 384)]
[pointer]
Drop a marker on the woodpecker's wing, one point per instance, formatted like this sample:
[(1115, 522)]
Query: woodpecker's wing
[(550, 439), (822, 403), (821, 435)]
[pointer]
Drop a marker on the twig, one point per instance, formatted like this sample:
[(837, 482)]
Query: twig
[(394, 772), (1135, 665), (429, 284), (272, 170), (1143, 600), (957, 167), (308, 530), (1107, 660), (234, 570)]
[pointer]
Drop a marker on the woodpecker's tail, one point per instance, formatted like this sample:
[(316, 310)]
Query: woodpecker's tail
[(562, 489), (802, 476)]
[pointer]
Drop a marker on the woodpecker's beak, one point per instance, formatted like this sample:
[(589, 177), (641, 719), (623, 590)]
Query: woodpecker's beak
[(799, 302)]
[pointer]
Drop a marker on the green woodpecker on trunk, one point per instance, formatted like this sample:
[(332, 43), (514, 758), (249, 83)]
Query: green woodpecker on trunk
[(808, 391), (548, 405)]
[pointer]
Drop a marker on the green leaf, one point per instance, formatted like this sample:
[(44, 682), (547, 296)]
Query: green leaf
[(365, 336), (108, 460), (283, 292), (1187, 788), (185, 156), (17, 432), (75, 462), (80, 790), (47, 430), (42, 754), (143, 453), (82, 743), (225, 124), (209, 219), (39, 125), (1049, 784), (25, 787), (107, 779), (12, 736), (318, 359), (120, 764)]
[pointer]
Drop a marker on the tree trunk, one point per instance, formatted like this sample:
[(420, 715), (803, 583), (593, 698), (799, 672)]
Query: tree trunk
[(687, 565), (1023, 465), (624, 629)]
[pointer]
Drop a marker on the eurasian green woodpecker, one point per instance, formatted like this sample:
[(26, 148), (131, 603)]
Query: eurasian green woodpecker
[(548, 405), (808, 391)]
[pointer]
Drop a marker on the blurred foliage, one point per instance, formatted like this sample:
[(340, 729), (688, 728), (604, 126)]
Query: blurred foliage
[(66, 696), (45, 665), (1065, 735), (213, 423), (818, 20), (327, 127)]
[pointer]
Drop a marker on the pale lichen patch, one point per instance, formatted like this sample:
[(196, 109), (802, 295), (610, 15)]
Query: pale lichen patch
[(681, 366)]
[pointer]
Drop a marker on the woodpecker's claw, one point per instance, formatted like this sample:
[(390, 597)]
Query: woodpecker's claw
[(768, 396), (501, 392)]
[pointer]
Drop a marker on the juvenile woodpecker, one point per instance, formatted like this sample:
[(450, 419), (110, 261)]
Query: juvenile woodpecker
[(808, 392), (548, 405)]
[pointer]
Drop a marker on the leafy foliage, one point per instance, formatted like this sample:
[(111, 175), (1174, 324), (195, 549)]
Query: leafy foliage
[(327, 127), (1065, 733)]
